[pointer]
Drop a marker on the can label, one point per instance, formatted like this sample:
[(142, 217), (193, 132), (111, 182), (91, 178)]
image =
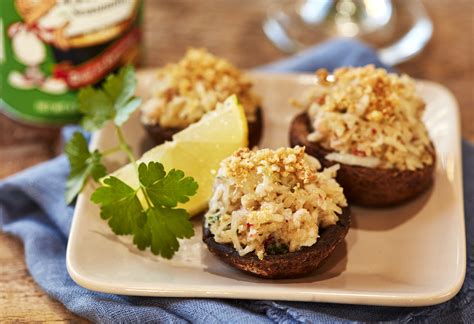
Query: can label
[(50, 48)]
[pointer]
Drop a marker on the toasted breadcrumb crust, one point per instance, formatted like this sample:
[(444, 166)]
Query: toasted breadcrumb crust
[(264, 197), (184, 91), (370, 117)]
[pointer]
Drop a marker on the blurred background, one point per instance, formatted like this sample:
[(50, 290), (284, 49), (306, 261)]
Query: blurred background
[(234, 30)]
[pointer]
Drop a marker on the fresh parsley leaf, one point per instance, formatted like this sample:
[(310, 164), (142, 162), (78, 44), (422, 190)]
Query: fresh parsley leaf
[(120, 205), (151, 173), (121, 89), (83, 164), (158, 226), (165, 226), (166, 190), (114, 101), (96, 107), (142, 235), (124, 111)]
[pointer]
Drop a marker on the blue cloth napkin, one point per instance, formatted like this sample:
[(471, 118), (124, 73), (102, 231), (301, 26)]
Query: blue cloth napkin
[(32, 208)]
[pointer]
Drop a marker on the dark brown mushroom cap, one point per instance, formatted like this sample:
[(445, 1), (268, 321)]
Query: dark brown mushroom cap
[(372, 187), (287, 265), (161, 134)]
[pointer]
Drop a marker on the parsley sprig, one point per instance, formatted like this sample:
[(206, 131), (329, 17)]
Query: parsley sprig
[(148, 212)]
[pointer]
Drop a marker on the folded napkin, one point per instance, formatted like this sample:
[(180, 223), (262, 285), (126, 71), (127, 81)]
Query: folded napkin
[(32, 208)]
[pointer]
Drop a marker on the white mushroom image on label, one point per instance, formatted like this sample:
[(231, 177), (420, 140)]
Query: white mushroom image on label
[(29, 49)]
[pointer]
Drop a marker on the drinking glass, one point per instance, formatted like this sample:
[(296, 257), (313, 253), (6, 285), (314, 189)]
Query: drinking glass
[(399, 29)]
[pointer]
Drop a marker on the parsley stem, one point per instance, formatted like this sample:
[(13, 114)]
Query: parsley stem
[(111, 150), (126, 148)]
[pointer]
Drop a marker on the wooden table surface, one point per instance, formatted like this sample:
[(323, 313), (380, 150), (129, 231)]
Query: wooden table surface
[(231, 29)]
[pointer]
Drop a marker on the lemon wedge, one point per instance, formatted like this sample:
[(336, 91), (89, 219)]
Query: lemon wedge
[(198, 149)]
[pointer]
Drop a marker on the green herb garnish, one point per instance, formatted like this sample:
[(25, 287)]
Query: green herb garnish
[(275, 248), (83, 164), (154, 220), (115, 101)]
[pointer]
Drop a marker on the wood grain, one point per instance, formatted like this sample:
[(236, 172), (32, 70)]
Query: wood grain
[(233, 30), (21, 299)]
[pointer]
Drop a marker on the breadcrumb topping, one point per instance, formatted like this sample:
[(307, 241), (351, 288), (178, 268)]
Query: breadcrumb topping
[(269, 201), (370, 117), (184, 91)]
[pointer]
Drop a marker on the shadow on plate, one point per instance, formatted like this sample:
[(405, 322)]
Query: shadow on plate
[(384, 219), (146, 144), (187, 257), (130, 247), (332, 267)]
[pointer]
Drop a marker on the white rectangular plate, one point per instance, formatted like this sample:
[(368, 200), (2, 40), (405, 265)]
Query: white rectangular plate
[(411, 255)]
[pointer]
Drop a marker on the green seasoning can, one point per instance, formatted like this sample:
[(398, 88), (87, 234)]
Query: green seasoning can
[(50, 48)]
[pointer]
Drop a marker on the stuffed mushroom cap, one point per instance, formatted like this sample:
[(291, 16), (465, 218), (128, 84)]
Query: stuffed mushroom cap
[(368, 117), (368, 121), (270, 206), (183, 92)]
